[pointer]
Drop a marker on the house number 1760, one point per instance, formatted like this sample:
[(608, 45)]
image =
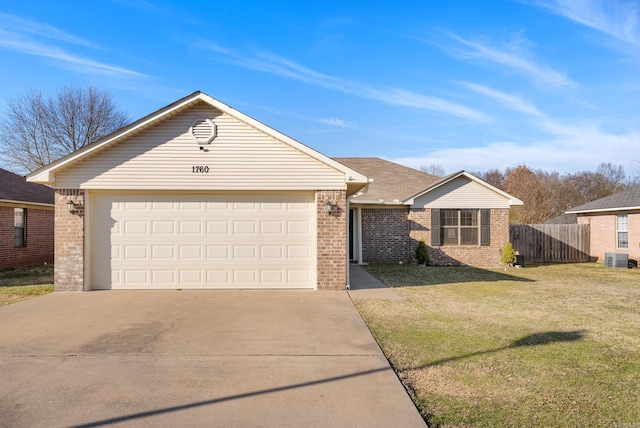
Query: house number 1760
[(200, 169)]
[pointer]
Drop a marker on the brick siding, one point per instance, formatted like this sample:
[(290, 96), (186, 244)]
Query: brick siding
[(332, 240), (38, 249), (385, 235), (391, 235), (603, 234), (69, 241)]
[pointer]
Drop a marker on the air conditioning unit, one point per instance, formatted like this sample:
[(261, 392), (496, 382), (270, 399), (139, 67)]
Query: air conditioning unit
[(616, 260)]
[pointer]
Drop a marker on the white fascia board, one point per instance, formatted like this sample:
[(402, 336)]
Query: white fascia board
[(36, 204), (603, 210), (512, 200), (378, 202)]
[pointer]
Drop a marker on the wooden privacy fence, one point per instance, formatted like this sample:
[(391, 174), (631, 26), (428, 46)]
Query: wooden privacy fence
[(544, 243)]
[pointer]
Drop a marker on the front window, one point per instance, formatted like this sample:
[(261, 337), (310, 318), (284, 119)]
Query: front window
[(622, 231), (460, 227), (19, 227)]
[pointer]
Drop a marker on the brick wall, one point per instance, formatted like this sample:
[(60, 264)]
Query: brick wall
[(69, 241), (392, 234), (39, 238), (603, 235), (385, 235), (332, 240)]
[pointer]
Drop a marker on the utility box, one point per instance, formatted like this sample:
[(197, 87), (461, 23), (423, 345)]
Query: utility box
[(616, 260)]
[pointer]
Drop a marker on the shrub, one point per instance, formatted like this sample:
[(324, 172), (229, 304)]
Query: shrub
[(508, 254), (422, 253)]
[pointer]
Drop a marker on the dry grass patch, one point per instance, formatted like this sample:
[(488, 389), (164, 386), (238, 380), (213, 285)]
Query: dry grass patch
[(554, 345), (25, 283)]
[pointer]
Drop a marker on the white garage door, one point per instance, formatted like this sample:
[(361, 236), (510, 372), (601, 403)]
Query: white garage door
[(168, 241)]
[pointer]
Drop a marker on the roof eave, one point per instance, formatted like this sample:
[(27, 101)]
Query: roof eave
[(604, 210), (16, 202), (379, 202)]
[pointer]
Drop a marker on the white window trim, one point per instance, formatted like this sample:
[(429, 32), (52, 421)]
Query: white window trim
[(625, 230)]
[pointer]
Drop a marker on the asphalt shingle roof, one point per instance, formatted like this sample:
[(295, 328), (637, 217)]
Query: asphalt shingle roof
[(14, 187), (619, 201), (392, 183)]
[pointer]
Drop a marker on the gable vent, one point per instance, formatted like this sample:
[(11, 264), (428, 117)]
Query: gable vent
[(203, 131)]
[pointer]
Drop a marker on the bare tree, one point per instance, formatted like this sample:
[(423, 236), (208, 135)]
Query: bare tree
[(528, 185), (433, 169), (548, 194), (39, 129), (635, 166), (495, 177)]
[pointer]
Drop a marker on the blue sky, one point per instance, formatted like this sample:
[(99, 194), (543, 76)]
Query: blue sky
[(474, 85)]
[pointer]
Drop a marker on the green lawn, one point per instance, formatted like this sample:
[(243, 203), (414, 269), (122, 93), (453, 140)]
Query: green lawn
[(24, 283), (553, 345)]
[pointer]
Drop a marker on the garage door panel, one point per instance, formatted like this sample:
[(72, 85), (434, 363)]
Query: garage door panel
[(163, 206), (203, 241), (133, 206), (271, 252), (160, 227), (218, 227), (190, 206), (136, 276), (135, 252), (244, 227), (190, 227), (218, 252), (164, 277), (298, 227), (190, 276), (298, 252), (271, 227)]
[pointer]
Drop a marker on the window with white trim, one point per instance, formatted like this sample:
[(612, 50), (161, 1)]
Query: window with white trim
[(622, 231), (19, 227)]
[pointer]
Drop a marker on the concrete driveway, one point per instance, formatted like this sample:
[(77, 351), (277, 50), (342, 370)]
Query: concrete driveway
[(195, 358)]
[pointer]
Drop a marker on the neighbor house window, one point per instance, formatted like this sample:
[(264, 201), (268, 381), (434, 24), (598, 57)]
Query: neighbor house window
[(19, 227), (460, 227), (622, 231)]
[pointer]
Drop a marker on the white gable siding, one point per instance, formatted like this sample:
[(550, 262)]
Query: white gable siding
[(461, 193), (239, 158)]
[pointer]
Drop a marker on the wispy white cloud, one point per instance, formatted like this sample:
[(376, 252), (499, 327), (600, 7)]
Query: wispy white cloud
[(273, 64), (510, 56), (16, 42), (334, 121), (512, 102), (17, 24), (24, 36), (402, 97), (615, 18)]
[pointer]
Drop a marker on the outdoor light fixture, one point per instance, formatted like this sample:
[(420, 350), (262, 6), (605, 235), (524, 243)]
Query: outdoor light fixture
[(328, 207), (71, 206)]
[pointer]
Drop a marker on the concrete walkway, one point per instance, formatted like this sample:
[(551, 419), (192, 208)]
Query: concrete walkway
[(366, 286), (195, 358)]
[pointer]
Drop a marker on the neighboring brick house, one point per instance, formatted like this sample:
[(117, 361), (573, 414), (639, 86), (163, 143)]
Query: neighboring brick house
[(614, 224), (462, 219), (26, 222)]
